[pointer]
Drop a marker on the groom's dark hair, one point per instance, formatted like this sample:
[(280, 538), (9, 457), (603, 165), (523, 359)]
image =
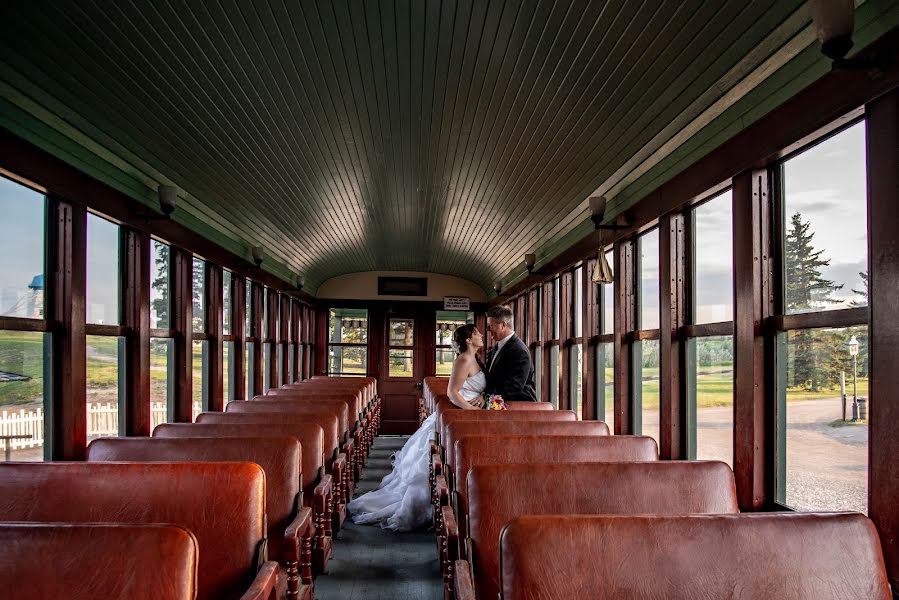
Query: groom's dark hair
[(503, 313)]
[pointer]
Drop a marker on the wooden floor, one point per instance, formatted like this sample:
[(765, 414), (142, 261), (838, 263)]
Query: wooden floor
[(375, 564)]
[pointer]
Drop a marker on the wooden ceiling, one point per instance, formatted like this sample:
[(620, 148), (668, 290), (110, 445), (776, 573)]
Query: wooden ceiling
[(343, 136)]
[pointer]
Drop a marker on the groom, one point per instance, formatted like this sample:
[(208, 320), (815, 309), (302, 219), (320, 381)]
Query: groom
[(509, 370)]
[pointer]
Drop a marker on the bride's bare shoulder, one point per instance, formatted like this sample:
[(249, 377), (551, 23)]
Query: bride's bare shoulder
[(467, 364)]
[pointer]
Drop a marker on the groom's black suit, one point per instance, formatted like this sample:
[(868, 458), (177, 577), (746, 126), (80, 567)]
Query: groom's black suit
[(511, 375)]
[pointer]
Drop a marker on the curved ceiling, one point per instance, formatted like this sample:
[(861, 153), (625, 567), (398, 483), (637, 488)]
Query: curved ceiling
[(441, 136)]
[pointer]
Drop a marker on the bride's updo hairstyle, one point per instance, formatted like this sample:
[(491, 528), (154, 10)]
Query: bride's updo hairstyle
[(460, 337)]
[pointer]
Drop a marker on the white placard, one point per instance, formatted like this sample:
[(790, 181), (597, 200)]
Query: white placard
[(456, 303)]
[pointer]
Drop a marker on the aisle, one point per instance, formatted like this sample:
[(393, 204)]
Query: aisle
[(375, 564)]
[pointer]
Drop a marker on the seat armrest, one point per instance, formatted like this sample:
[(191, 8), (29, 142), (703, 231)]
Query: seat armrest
[(464, 581), (436, 464), (443, 493), (451, 551), (265, 585), (298, 537), (339, 471), (322, 504)]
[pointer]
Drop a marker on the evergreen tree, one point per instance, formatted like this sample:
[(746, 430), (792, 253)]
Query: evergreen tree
[(863, 292), (805, 290), (161, 302)]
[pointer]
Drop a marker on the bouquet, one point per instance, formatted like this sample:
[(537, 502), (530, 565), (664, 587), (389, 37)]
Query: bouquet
[(494, 402)]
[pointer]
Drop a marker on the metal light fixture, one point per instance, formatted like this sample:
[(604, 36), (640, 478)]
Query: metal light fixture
[(834, 21), (597, 213), (497, 286), (258, 255), (529, 261), (602, 273), (168, 199), (853, 352)]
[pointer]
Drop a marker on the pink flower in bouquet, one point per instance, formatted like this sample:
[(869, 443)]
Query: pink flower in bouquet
[(494, 402)]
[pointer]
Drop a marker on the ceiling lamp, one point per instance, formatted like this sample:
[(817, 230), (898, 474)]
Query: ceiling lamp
[(168, 199), (529, 261), (598, 213), (497, 286), (834, 21), (602, 273), (258, 255)]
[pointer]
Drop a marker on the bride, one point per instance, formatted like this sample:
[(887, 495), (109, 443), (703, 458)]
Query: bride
[(402, 502)]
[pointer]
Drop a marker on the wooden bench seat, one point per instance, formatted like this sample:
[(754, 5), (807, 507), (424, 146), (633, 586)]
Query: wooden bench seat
[(86, 562), (222, 504), (290, 524), (454, 415), (801, 556), (499, 493)]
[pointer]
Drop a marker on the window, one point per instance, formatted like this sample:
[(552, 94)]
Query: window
[(248, 328), (577, 384), (824, 463), (554, 375), (401, 342), (648, 294), (160, 304), (713, 264), (199, 389), (22, 241), (102, 298), (226, 302), (578, 302), (227, 372), (105, 377), (447, 322), (825, 225), (161, 381), (646, 400), (22, 392), (347, 341), (199, 296), (249, 353), (608, 301), (605, 370), (266, 371), (711, 397)]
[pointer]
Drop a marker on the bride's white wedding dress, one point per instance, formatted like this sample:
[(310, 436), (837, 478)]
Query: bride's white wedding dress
[(403, 501)]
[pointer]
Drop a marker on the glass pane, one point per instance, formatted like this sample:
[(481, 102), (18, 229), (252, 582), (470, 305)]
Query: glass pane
[(650, 412), (538, 372), (608, 300), (249, 309), (649, 280), (159, 288), (713, 249), (102, 271), (200, 378), (22, 393), (249, 352), (161, 380), (265, 315), (605, 369), (348, 325), (401, 363), (199, 296), (22, 240), (714, 394), (826, 235), (227, 371), (291, 364), (402, 332), (349, 360), (578, 301), (447, 322), (540, 331), (554, 376), (557, 302), (266, 367), (301, 351), (226, 302), (577, 384), (103, 382), (445, 358), (826, 455)]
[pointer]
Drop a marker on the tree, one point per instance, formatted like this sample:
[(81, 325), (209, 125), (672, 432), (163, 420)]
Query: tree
[(863, 292), (806, 289)]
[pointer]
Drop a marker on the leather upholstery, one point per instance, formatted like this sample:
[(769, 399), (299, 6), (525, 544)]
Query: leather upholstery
[(499, 493), (801, 556), (327, 421), (455, 431), (86, 562), (452, 416), (352, 400), (309, 435), (183, 494), (337, 408), (529, 405), (279, 457)]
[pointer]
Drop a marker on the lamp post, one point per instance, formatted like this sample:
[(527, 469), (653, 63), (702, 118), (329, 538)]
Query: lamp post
[(853, 351)]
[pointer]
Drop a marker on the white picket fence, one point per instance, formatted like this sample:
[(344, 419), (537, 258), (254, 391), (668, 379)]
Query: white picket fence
[(102, 420)]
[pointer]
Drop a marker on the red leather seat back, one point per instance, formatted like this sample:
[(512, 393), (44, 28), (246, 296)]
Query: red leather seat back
[(327, 420), (223, 504), (801, 556), (310, 436), (452, 416), (353, 400), (279, 457), (299, 407), (456, 430), (86, 562), (499, 493), (519, 405)]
